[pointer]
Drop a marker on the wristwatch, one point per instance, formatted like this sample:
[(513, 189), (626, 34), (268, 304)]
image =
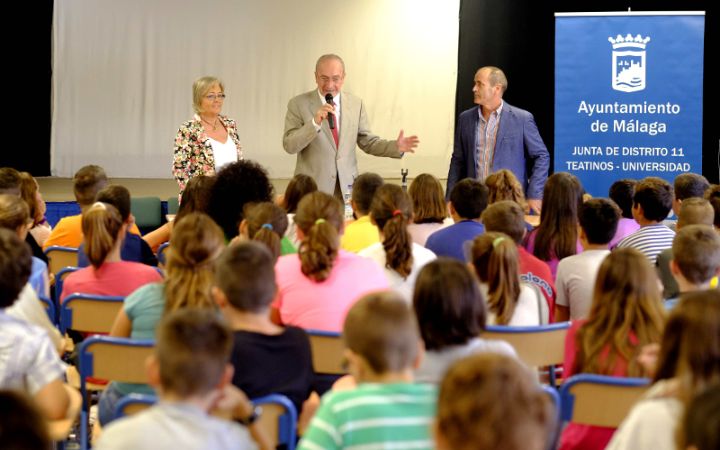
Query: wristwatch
[(257, 410)]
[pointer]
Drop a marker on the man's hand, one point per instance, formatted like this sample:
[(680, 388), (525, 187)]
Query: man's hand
[(535, 205), (407, 144), (323, 112)]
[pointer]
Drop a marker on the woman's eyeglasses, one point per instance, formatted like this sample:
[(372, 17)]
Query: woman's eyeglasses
[(213, 97)]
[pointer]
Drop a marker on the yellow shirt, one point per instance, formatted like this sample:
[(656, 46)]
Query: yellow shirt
[(68, 232), (359, 235)]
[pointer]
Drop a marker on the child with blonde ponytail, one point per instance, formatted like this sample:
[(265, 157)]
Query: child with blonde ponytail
[(494, 257)]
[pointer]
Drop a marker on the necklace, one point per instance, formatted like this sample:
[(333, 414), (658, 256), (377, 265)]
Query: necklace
[(214, 126)]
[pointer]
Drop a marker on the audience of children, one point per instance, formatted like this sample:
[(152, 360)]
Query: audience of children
[(429, 209), (693, 211), (451, 314), (494, 257), (267, 358), (506, 216), (688, 362), (299, 186), (685, 186), (468, 200), (191, 370), (557, 236), (491, 401), (626, 314), (362, 233), (29, 361), (598, 218), (622, 192), (317, 286), (400, 257), (652, 202), (196, 242), (386, 409)]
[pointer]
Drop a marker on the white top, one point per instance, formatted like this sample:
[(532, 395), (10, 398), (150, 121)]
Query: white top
[(30, 309), (575, 281), (421, 231), (176, 426), (291, 232), (435, 362), (652, 422), (529, 311), (404, 286), (224, 153), (28, 360)]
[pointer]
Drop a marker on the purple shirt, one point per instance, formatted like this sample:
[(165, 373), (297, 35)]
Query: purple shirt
[(625, 227)]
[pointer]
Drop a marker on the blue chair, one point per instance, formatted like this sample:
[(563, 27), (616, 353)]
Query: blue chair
[(538, 346), (133, 403), (162, 260), (59, 282), (49, 309), (89, 313), (109, 358), (555, 399), (599, 400), (60, 257), (278, 419)]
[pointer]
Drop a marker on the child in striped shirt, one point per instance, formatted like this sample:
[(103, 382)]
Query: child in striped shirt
[(387, 409)]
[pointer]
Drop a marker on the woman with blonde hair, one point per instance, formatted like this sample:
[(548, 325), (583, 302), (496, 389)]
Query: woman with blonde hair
[(626, 314), (317, 286), (688, 363), (400, 257), (494, 257), (196, 242), (104, 231), (429, 207), (209, 140)]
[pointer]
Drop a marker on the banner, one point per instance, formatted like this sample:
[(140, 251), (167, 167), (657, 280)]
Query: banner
[(628, 96)]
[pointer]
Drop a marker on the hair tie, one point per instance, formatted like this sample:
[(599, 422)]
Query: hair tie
[(268, 226), (100, 205), (498, 240), (397, 212), (319, 221)]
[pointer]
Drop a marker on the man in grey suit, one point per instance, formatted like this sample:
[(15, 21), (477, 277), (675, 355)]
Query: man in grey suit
[(328, 155)]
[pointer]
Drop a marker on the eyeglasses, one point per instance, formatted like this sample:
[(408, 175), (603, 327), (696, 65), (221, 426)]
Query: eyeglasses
[(213, 97)]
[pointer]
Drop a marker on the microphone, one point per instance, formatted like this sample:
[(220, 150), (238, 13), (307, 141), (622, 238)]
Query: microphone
[(330, 117)]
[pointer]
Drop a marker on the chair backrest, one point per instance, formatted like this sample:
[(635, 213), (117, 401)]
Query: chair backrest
[(133, 404), (173, 205), (89, 313), (61, 257), (147, 212), (60, 280), (278, 419), (538, 346), (555, 399), (113, 358), (161, 253), (599, 400), (49, 308), (327, 352)]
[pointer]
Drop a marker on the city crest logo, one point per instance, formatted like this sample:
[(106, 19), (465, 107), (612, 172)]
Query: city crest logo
[(628, 62)]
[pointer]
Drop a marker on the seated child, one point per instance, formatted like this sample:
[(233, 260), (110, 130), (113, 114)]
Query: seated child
[(362, 233), (386, 410), (267, 358), (28, 360), (191, 371), (491, 401)]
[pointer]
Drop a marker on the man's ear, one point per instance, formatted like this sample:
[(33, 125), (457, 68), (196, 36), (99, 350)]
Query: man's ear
[(243, 229)]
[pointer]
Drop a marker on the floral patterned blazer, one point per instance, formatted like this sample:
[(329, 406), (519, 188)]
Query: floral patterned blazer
[(193, 153)]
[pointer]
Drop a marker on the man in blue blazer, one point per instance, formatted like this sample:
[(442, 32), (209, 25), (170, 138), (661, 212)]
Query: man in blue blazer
[(495, 135)]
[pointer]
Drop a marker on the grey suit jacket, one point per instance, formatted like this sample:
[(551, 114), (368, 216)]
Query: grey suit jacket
[(317, 155)]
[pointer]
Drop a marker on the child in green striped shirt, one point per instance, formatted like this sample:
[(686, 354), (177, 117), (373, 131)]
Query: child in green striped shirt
[(386, 410)]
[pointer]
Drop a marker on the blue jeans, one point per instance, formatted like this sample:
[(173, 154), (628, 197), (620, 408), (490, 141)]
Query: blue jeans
[(106, 405)]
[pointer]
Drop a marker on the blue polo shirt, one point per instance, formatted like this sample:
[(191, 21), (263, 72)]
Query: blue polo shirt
[(449, 241)]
